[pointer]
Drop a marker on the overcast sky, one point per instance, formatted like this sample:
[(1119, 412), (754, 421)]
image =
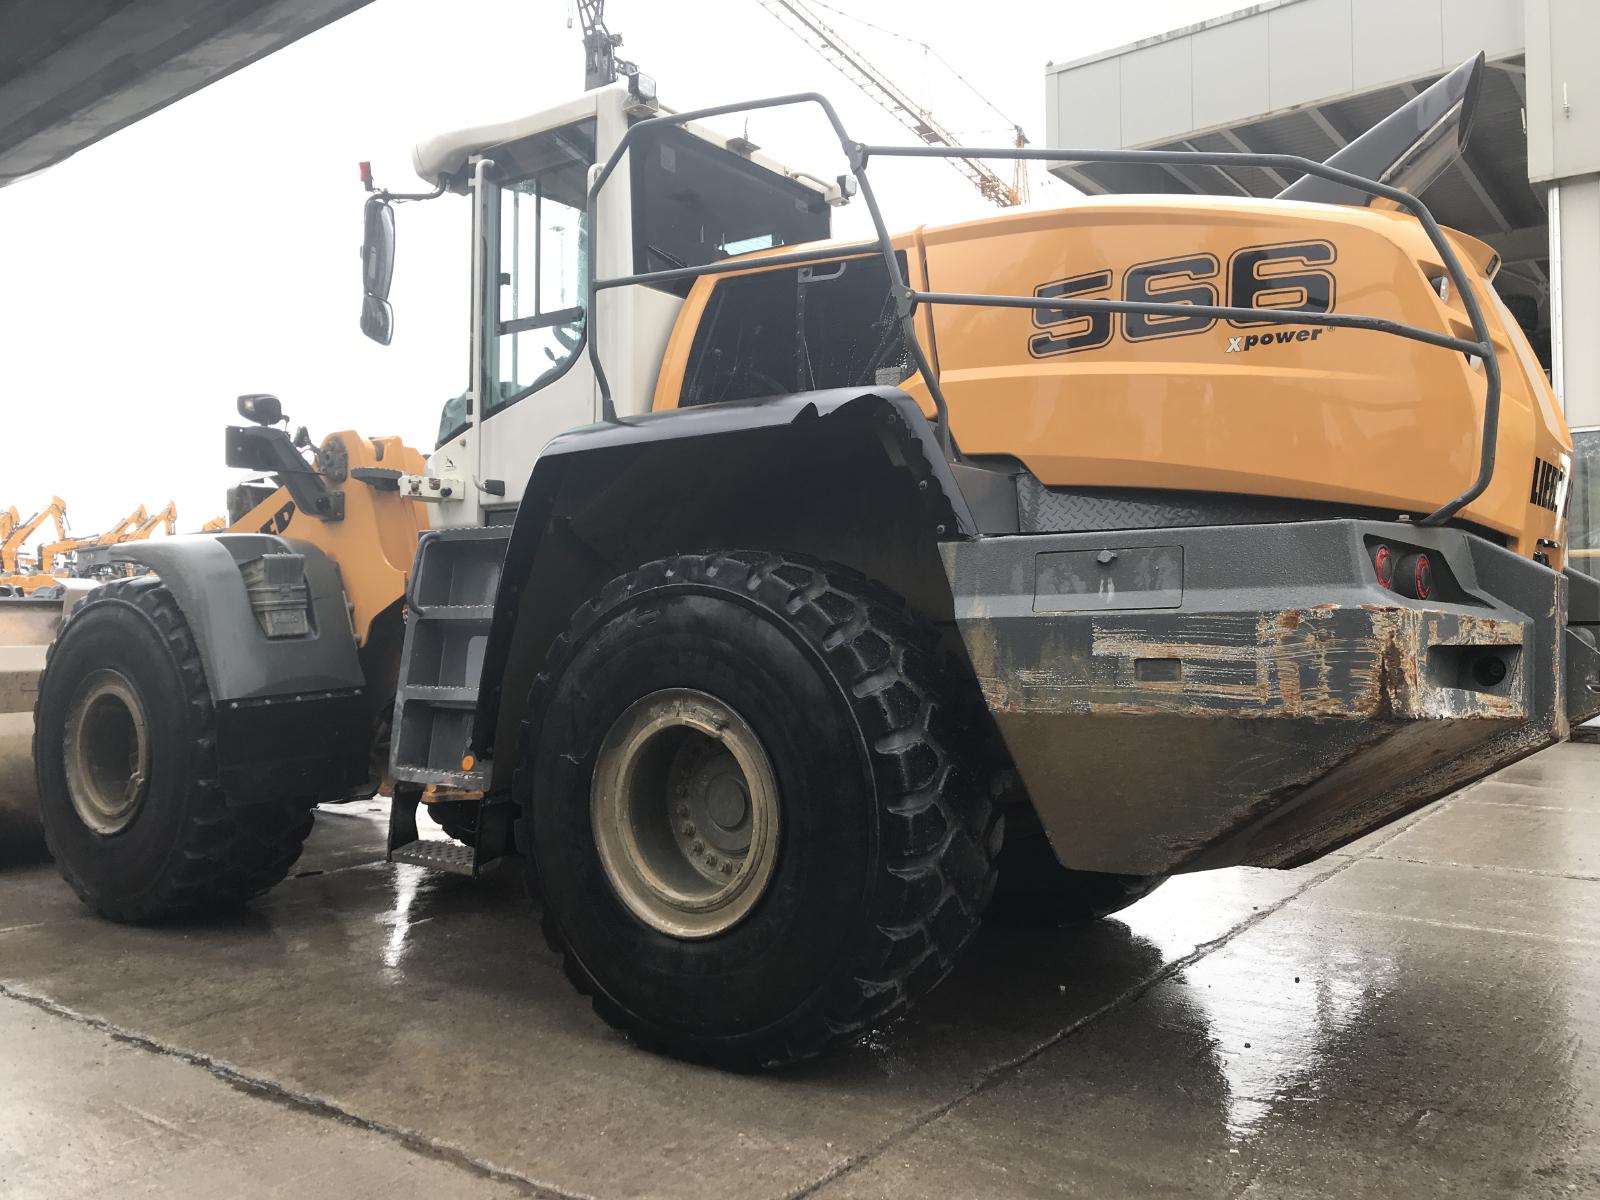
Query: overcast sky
[(212, 248)]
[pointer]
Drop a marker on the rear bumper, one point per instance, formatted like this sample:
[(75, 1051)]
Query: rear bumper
[(1178, 699)]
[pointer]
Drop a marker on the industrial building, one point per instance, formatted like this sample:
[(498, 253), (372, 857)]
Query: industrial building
[(1305, 76)]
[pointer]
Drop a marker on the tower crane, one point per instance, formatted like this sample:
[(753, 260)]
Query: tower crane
[(806, 23)]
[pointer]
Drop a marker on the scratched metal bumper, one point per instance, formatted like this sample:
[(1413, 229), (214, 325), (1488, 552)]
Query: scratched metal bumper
[(1177, 699)]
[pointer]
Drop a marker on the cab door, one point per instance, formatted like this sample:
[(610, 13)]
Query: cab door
[(536, 379)]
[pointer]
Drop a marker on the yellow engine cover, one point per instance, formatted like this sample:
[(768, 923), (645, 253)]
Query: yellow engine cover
[(1340, 415), (1302, 412)]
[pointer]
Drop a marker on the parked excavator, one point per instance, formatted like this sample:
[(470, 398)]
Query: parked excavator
[(92, 557), (783, 597), (12, 554), (48, 562)]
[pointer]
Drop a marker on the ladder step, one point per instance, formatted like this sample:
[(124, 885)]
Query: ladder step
[(437, 694), (435, 854), (453, 612)]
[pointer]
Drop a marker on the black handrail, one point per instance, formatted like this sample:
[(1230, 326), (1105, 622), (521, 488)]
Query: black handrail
[(907, 298)]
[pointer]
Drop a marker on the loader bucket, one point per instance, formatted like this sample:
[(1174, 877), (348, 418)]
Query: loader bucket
[(1407, 149), (28, 625)]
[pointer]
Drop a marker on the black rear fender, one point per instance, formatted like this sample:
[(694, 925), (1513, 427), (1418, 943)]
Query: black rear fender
[(850, 476)]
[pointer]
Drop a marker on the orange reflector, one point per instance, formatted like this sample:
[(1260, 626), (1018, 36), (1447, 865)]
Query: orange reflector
[(468, 762)]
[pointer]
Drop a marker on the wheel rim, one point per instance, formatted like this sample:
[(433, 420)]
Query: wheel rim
[(106, 748), (684, 807)]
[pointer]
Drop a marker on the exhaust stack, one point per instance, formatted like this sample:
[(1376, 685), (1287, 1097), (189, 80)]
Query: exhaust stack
[(1407, 149)]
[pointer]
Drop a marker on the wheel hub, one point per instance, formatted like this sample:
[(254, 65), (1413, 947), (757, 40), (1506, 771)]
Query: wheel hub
[(106, 752), (685, 813)]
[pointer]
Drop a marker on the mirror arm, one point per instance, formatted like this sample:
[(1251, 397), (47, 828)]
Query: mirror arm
[(386, 195)]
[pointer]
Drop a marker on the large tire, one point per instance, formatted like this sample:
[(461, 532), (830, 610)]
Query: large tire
[(883, 858), (458, 819), (155, 838)]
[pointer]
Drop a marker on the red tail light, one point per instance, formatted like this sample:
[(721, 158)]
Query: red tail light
[(1415, 576), (1383, 564)]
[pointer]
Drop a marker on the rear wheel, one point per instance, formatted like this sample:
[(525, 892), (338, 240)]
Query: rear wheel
[(748, 817), (125, 761)]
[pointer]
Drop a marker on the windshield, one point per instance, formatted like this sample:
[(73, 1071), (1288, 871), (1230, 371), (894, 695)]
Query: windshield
[(1583, 512), (695, 203)]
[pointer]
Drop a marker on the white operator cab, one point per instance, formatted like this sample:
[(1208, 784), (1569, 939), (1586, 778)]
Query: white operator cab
[(680, 197)]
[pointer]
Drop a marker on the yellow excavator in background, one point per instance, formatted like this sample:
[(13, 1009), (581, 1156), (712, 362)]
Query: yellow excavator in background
[(168, 516), (92, 557), (11, 559), (9, 520), (47, 560)]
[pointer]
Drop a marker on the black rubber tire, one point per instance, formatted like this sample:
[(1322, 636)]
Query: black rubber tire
[(1036, 890), (887, 838), (187, 850), (458, 818)]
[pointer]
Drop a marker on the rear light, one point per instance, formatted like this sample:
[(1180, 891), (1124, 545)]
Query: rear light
[(1383, 563), (1414, 576)]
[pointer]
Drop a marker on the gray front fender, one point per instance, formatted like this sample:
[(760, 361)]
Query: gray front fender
[(241, 662)]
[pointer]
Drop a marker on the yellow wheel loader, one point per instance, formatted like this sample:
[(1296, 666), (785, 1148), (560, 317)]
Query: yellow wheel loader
[(784, 597), (316, 504)]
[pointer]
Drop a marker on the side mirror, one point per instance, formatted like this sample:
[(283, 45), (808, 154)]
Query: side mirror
[(260, 408), (377, 320), (377, 248), (377, 270)]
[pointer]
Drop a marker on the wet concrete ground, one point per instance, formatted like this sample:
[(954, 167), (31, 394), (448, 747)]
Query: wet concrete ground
[(1419, 1016)]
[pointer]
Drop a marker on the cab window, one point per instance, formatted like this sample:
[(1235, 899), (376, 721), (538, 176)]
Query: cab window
[(823, 325), (695, 203), (543, 246)]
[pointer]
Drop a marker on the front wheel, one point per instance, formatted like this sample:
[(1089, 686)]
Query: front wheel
[(125, 760), (749, 816)]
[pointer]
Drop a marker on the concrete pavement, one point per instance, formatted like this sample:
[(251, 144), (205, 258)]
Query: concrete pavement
[(1419, 1016)]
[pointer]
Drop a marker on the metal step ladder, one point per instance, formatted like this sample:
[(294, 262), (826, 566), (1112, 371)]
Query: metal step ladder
[(490, 844), (449, 607)]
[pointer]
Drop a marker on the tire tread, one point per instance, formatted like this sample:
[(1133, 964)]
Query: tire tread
[(939, 830), (227, 853)]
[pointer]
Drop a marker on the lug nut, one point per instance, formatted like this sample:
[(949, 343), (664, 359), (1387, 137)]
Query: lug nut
[(683, 810), (698, 846)]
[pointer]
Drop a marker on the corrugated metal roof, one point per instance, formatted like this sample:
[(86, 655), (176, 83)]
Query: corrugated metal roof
[(1487, 194)]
